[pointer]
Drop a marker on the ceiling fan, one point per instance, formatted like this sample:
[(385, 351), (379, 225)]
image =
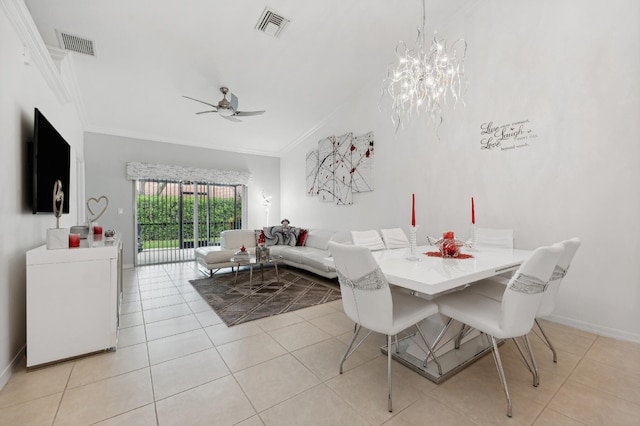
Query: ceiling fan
[(226, 108)]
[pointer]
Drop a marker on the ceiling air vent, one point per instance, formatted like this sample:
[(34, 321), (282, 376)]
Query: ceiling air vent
[(76, 44), (271, 23)]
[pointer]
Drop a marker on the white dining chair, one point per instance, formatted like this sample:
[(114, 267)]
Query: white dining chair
[(494, 237), (495, 289), (394, 238), (511, 317), (370, 239), (370, 303)]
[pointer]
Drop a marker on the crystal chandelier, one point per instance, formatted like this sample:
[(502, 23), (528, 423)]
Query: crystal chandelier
[(421, 80)]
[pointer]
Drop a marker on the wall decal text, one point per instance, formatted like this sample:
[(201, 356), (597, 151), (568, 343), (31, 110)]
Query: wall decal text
[(504, 137)]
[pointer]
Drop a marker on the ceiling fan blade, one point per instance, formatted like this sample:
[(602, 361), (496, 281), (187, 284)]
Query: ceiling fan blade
[(247, 113), (205, 112), (202, 102), (231, 118), (233, 102)]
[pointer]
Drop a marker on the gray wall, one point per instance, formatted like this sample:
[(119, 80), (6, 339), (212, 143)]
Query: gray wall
[(105, 168)]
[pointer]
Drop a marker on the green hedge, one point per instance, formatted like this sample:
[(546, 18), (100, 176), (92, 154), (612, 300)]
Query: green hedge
[(159, 217)]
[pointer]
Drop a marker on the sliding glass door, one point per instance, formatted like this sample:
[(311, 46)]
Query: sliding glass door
[(172, 218)]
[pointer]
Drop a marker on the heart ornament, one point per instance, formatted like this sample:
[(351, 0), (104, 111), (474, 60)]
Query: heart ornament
[(97, 203)]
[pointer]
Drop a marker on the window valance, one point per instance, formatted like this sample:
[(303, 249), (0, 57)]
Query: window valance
[(137, 171)]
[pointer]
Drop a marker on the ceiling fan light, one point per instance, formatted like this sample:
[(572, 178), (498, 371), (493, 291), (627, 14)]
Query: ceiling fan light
[(225, 112)]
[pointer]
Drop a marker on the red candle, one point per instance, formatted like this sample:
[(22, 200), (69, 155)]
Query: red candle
[(473, 212), (413, 210), (97, 230), (74, 240)]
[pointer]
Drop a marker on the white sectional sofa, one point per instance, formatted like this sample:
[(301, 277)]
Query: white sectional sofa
[(311, 256), (215, 257)]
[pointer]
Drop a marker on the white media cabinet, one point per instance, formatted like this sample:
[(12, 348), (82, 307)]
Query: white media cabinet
[(73, 299)]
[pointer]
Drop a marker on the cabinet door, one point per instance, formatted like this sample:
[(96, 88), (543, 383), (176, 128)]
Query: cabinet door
[(70, 309)]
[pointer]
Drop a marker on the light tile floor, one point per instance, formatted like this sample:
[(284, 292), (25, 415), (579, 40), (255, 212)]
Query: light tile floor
[(178, 364)]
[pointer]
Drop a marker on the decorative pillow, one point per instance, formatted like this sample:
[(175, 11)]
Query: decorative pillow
[(294, 236), (302, 237), (274, 235), (259, 237)]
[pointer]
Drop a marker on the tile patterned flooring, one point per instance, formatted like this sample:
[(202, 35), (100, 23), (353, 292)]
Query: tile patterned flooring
[(178, 364)]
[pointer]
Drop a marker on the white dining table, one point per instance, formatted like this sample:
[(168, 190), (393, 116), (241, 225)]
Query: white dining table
[(432, 276), (429, 277)]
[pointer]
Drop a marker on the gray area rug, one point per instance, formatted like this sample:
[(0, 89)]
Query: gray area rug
[(242, 302)]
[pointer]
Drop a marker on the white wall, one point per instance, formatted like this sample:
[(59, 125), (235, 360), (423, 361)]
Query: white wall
[(22, 88), (569, 68), (106, 157)]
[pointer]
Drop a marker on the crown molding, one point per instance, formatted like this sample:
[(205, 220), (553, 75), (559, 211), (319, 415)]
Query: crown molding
[(22, 22)]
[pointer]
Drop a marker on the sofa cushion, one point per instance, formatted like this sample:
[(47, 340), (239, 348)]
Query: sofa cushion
[(317, 259), (275, 251), (236, 238), (318, 238), (370, 239), (342, 237), (214, 255), (293, 254)]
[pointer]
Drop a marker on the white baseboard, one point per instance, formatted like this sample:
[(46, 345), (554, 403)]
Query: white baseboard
[(14, 366), (596, 329)]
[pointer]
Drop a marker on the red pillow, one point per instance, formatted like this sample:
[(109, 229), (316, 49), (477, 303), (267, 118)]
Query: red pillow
[(302, 237)]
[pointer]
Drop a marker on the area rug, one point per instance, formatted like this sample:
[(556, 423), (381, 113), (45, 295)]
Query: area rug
[(241, 302)]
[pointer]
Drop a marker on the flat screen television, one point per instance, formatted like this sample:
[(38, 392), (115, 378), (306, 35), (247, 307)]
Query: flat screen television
[(50, 160)]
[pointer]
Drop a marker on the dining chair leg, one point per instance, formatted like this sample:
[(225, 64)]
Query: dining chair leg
[(351, 350), (353, 339), (429, 349), (546, 338), (527, 344), (527, 361), (389, 370), (397, 346), (498, 362)]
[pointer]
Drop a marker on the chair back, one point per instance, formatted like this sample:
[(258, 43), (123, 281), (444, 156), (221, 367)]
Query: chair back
[(394, 238), (525, 289), (492, 237), (548, 303), (366, 296)]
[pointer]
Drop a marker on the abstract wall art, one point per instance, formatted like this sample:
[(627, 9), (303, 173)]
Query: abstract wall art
[(339, 167)]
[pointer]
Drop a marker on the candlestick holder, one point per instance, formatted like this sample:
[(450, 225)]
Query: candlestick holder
[(471, 243), (413, 255)]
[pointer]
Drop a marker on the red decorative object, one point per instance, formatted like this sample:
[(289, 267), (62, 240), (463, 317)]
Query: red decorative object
[(473, 212), (438, 254), (243, 248), (413, 209), (74, 240), (449, 246), (97, 229)]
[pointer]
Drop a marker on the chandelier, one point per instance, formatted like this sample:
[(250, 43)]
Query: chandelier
[(422, 79)]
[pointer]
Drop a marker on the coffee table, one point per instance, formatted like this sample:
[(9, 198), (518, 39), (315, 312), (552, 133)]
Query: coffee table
[(251, 262)]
